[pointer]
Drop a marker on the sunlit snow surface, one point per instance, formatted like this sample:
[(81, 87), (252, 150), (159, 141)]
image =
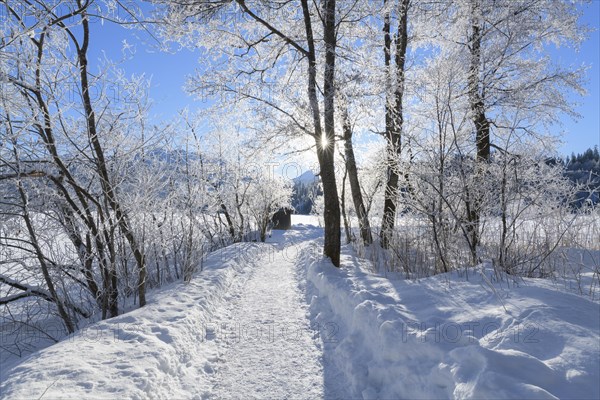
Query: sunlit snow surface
[(276, 321)]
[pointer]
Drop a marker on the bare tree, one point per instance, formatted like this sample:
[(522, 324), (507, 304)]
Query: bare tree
[(394, 114), (351, 172), (42, 35), (507, 76)]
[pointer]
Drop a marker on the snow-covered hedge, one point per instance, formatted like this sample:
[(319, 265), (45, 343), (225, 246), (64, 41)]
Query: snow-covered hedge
[(452, 337), (159, 351)]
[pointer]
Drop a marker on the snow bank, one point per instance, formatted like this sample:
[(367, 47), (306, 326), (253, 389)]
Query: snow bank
[(160, 351), (449, 337)]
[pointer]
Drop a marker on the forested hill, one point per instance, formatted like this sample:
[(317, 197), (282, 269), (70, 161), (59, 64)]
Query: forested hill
[(306, 189), (584, 167)]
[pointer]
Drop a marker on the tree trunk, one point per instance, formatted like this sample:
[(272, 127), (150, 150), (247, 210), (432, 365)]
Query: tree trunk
[(394, 119), (352, 171), (343, 208), (476, 100), (47, 135), (264, 225), (238, 205), (84, 249), (230, 225), (482, 127), (325, 139), (331, 214), (332, 208)]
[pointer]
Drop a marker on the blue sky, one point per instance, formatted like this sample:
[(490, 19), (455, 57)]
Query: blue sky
[(166, 71), (168, 74), (585, 133)]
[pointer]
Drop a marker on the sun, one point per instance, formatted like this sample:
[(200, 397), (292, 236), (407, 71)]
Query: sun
[(324, 142)]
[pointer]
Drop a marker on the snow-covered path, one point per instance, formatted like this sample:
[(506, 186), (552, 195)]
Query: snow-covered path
[(267, 346), (240, 329)]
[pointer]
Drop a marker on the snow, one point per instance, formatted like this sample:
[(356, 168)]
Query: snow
[(449, 337), (275, 320), (240, 329), (154, 352), (268, 341), (300, 222)]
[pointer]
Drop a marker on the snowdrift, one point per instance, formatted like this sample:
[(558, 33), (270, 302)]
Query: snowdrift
[(159, 351), (453, 336)]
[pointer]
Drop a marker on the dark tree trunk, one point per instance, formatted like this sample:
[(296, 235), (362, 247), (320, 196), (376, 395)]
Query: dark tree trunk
[(476, 100), (352, 171), (394, 119), (263, 234), (343, 207), (84, 250), (85, 198), (332, 208), (482, 128), (230, 225), (238, 205), (325, 139), (331, 214)]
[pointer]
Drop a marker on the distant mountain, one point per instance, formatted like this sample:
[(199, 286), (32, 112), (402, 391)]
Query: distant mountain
[(306, 178), (306, 188)]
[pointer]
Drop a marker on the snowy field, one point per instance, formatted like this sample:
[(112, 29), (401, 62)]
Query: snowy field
[(274, 320)]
